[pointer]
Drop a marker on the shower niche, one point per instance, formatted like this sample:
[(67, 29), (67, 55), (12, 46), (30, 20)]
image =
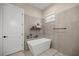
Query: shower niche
[(35, 30)]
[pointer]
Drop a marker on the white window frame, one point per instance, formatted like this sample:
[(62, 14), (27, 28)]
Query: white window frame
[(50, 18)]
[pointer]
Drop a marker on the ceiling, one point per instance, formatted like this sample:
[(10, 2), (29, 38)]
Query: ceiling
[(40, 6)]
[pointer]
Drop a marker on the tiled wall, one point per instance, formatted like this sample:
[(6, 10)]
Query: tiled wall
[(65, 41), (29, 21)]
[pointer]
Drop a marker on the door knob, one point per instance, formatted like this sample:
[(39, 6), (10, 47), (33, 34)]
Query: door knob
[(4, 36)]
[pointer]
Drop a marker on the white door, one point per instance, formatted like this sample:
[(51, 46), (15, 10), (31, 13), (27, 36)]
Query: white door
[(12, 29), (0, 29)]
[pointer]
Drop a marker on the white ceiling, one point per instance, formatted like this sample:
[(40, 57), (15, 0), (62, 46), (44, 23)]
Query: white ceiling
[(40, 6)]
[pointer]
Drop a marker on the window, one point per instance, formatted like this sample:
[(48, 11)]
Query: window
[(50, 18)]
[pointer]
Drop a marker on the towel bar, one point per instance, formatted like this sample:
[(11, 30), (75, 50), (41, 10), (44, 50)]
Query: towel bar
[(59, 28)]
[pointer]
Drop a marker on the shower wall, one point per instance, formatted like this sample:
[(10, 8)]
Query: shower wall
[(65, 40), (30, 21)]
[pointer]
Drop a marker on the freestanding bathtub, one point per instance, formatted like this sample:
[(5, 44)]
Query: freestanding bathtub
[(38, 46)]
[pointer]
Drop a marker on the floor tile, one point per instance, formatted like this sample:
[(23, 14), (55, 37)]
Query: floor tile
[(49, 52)]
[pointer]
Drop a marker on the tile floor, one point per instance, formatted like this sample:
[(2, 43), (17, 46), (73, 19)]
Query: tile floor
[(49, 52)]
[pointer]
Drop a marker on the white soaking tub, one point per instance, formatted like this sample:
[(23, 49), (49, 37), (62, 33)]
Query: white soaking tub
[(39, 45)]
